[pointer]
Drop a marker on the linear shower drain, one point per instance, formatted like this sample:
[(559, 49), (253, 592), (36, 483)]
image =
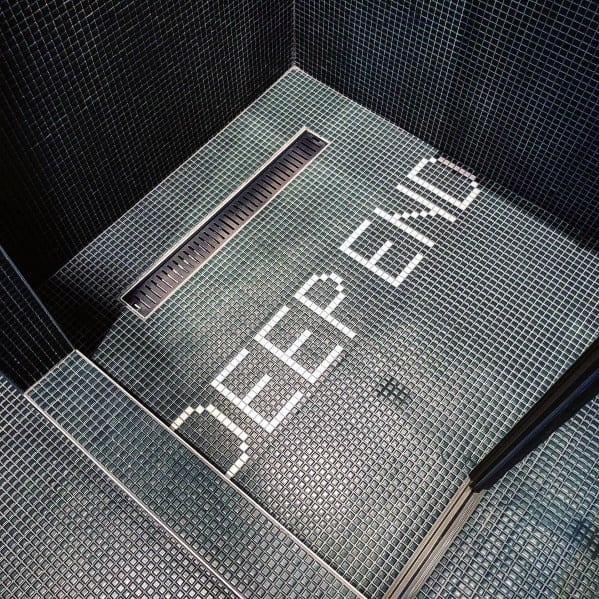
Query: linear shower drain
[(188, 256)]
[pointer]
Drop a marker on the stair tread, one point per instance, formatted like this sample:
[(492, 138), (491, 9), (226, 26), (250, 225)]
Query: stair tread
[(211, 516), (69, 531)]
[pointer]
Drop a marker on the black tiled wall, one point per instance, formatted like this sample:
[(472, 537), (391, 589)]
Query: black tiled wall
[(102, 99), (30, 341), (507, 87)]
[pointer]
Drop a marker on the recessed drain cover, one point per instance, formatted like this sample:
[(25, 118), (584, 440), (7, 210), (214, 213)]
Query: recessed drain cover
[(188, 256)]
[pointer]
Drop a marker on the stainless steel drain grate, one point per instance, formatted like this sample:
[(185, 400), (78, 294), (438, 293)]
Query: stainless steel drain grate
[(178, 265)]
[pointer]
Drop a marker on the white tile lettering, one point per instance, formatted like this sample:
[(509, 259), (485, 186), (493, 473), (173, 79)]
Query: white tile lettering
[(288, 355)]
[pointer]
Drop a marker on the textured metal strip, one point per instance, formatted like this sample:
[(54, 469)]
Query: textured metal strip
[(212, 235)]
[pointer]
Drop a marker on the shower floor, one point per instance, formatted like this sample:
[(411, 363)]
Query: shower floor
[(361, 434)]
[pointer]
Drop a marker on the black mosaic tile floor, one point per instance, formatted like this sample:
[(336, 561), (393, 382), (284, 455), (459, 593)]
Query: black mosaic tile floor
[(536, 534), (363, 342)]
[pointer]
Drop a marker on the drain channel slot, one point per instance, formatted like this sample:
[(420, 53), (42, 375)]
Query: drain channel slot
[(191, 254)]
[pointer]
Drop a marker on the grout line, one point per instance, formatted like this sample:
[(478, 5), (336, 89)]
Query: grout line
[(130, 494), (25, 568), (205, 461)]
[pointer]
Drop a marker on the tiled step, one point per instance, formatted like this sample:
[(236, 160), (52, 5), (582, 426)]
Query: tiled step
[(66, 530), (359, 454), (176, 485)]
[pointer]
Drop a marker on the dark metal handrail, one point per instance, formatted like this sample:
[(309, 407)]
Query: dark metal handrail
[(578, 385)]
